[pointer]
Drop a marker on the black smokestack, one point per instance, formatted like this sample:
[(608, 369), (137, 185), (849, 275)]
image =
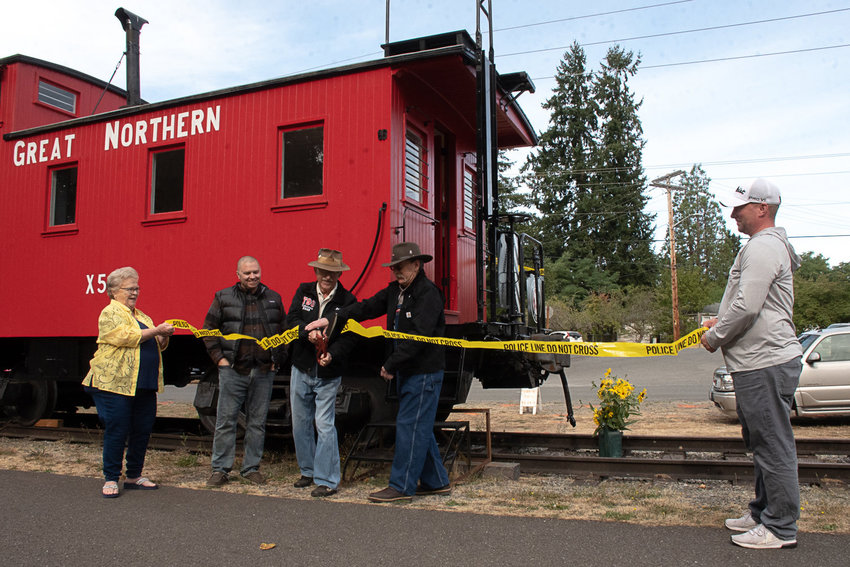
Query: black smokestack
[(132, 24)]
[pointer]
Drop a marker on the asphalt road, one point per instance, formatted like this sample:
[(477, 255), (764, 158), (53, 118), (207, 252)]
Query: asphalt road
[(50, 519), (686, 377)]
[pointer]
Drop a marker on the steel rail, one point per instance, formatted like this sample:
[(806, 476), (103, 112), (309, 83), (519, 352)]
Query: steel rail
[(674, 459), (632, 443), (601, 468)]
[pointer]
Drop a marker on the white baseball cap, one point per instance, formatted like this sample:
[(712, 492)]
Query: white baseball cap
[(759, 191)]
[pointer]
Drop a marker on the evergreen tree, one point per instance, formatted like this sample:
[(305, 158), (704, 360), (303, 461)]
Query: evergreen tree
[(618, 231), (512, 198), (560, 171)]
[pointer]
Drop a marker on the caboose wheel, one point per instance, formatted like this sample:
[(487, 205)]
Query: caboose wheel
[(33, 400)]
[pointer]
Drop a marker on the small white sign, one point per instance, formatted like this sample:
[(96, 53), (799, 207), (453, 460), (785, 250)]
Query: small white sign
[(530, 398)]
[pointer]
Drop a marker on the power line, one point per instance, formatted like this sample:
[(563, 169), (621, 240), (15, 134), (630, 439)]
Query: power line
[(790, 52), (543, 175), (757, 160), (659, 240), (373, 53), (680, 32), (326, 65), (806, 174), (649, 36), (701, 163), (719, 59), (586, 16)]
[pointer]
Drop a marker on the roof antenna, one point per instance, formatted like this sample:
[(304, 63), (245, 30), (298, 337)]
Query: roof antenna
[(387, 33)]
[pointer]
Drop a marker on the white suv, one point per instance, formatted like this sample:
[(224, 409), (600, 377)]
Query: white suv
[(824, 388)]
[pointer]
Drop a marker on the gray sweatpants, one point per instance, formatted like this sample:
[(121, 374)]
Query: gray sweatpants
[(764, 400)]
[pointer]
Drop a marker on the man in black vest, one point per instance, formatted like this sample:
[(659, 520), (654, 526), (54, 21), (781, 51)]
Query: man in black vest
[(245, 370)]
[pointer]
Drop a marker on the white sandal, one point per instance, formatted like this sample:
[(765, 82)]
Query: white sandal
[(110, 489), (141, 483)]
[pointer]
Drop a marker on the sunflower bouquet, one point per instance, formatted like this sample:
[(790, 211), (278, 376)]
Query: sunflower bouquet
[(618, 401)]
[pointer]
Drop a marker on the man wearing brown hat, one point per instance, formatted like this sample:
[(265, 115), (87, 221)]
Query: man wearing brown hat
[(317, 368), (414, 305)]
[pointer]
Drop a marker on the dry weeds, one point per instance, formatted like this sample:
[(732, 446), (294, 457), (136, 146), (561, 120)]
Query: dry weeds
[(825, 508)]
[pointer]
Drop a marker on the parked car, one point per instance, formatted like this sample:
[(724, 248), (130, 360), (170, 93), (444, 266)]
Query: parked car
[(824, 388), (571, 336)]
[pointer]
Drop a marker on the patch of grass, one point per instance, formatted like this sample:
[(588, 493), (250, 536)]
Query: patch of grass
[(36, 453), (277, 457), (642, 493), (663, 509), (601, 495), (454, 503), (508, 503), (619, 516), (187, 460), (376, 481)]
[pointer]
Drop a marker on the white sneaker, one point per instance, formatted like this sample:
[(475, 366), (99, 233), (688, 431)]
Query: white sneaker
[(762, 538), (743, 524)]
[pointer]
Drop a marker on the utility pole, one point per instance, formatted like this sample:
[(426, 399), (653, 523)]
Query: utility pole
[(663, 183)]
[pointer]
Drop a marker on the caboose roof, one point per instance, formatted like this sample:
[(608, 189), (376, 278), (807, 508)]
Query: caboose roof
[(424, 56), (18, 58)]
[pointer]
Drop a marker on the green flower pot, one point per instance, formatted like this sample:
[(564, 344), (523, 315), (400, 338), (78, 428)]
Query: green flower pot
[(610, 443)]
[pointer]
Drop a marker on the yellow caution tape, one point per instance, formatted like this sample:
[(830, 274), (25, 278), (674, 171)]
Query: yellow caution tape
[(529, 346)]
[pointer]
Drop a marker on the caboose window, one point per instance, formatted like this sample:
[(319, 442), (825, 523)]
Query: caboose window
[(57, 97), (63, 196), (415, 163), (302, 162), (468, 199), (167, 181)]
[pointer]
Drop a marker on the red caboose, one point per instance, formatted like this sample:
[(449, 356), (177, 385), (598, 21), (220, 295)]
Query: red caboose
[(355, 158)]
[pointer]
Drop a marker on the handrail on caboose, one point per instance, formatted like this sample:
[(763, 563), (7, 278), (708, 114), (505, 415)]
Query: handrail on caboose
[(434, 221)]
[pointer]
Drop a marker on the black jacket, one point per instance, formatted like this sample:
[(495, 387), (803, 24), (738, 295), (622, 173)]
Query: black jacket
[(305, 309), (421, 314), (227, 313)]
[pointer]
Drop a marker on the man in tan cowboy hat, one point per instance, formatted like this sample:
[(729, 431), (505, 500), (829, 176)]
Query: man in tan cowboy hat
[(316, 374), (414, 305)]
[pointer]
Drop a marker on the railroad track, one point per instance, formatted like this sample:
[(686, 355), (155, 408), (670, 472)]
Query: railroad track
[(645, 457), (170, 433), (649, 457)]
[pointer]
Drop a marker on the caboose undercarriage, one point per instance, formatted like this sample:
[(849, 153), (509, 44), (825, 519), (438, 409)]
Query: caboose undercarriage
[(42, 376)]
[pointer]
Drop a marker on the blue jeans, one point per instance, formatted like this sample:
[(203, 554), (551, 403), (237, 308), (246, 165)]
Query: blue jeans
[(417, 457), (254, 390), (127, 420), (312, 401), (764, 400)]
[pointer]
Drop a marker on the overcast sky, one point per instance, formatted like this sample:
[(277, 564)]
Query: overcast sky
[(773, 101)]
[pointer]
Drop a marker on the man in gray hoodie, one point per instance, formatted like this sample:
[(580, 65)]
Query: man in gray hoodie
[(759, 344)]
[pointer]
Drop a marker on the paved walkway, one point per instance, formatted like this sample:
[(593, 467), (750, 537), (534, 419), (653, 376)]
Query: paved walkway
[(51, 520)]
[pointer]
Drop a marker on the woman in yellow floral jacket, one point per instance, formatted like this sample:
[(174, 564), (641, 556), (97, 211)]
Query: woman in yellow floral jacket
[(125, 376)]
